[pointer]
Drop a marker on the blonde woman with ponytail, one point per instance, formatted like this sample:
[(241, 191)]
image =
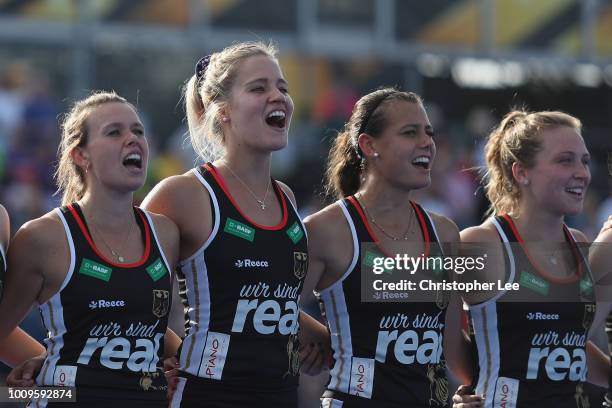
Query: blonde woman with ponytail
[(99, 268), (530, 333), (243, 248), (382, 355)]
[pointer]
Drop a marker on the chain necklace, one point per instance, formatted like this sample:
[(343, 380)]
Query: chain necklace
[(118, 257), (262, 202), (404, 237)]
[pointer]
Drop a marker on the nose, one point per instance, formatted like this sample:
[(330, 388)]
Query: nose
[(583, 172), (277, 95)]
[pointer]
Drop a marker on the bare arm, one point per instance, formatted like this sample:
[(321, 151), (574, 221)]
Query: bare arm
[(599, 365), (18, 347)]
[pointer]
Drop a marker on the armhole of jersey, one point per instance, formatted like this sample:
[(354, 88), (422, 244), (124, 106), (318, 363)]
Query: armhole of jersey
[(583, 259), (435, 231), (3, 255), (159, 245), (72, 252), (297, 214), (216, 219), (351, 225), (510, 256)]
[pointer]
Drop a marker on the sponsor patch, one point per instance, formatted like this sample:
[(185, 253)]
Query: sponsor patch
[(506, 393), (161, 302), (213, 358), (362, 377), (156, 270), (295, 233), (64, 376), (534, 283), (239, 229), (95, 270)]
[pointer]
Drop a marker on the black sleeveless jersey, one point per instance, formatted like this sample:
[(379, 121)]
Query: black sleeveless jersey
[(106, 324), (241, 291), (385, 354), (532, 342)]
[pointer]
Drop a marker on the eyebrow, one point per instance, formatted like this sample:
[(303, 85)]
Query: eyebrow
[(118, 124), (280, 80)]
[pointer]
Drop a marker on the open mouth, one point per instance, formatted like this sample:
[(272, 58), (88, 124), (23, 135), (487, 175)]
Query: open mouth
[(276, 119), (133, 160), (422, 161), (576, 191)]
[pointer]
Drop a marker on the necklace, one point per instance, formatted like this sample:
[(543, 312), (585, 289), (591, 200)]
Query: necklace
[(118, 257), (404, 237), (262, 202)]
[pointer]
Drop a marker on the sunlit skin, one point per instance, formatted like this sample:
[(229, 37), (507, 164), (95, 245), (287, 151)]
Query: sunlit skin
[(409, 135)]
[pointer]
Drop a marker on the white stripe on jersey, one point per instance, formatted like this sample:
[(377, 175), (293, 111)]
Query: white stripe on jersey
[(52, 313), (178, 393), (195, 272), (484, 321), (338, 319), (159, 245)]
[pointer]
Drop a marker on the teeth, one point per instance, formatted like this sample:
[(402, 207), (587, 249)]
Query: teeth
[(276, 113), (421, 159), (575, 190), (134, 156)]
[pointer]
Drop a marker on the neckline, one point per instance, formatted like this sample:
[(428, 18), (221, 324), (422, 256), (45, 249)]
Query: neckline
[(374, 237), (77, 212), (568, 239), (279, 196)]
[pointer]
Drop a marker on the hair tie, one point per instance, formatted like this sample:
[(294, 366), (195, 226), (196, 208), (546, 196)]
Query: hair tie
[(200, 68)]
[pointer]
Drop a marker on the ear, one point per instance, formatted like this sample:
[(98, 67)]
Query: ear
[(224, 114), (367, 144), (80, 157), (520, 174)]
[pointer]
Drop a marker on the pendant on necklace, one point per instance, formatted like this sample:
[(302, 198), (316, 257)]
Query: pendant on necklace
[(553, 260), (262, 204), (119, 257)]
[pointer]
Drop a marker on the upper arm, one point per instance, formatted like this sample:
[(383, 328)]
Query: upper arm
[(448, 233), (5, 228), (25, 277), (187, 204), (168, 235)]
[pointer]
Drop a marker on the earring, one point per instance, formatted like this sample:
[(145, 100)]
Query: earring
[(525, 182), (87, 168), (375, 154), (224, 119)]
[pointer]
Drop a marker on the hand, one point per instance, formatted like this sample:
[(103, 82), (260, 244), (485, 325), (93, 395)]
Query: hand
[(23, 375), (171, 372), (465, 398), (313, 359)]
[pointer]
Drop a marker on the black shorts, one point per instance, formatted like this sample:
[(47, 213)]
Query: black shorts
[(193, 392)]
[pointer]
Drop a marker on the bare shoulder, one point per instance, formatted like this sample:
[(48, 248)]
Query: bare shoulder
[(287, 191), (485, 232), (39, 236), (326, 221), (605, 236), (173, 191), (446, 228), (578, 235)]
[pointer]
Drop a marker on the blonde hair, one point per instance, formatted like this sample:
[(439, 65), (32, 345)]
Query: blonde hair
[(205, 96), (516, 140), (69, 177), (345, 164)]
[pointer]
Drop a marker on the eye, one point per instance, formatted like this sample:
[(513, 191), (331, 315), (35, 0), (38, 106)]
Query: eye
[(114, 132), (138, 131), (586, 161), (284, 90), (430, 132), (258, 89), (410, 132)]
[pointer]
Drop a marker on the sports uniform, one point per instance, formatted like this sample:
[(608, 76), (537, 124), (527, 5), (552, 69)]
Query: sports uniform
[(608, 399), (106, 324), (241, 291), (385, 354), (532, 343)]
